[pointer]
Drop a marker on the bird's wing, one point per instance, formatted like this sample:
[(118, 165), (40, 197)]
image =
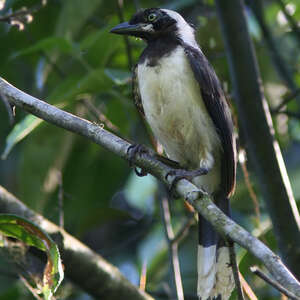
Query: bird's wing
[(136, 92), (218, 109)]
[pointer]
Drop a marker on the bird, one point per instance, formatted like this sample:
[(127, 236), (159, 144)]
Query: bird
[(179, 94)]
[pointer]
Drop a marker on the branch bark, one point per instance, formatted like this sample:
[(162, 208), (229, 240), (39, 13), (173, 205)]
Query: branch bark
[(82, 265), (195, 197), (258, 132)]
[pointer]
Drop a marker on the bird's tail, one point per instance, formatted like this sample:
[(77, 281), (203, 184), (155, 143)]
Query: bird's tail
[(215, 277)]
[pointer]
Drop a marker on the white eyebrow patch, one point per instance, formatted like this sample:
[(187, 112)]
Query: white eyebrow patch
[(148, 28), (184, 30)]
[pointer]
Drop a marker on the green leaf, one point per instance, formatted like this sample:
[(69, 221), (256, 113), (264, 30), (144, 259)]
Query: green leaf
[(19, 132), (32, 235), (73, 15), (94, 81), (49, 43), (99, 45)]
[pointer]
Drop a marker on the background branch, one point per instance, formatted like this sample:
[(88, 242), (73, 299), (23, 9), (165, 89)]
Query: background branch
[(224, 225), (82, 265), (263, 148), (235, 270), (173, 246), (293, 24), (273, 283), (23, 15)]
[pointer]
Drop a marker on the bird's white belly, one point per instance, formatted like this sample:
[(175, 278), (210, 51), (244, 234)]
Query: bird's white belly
[(178, 117)]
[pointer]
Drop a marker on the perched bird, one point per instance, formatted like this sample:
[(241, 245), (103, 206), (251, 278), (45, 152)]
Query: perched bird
[(178, 92)]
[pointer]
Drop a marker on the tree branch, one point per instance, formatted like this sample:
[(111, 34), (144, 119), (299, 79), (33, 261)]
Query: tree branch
[(173, 246), (258, 131), (23, 15), (293, 24), (235, 270), (273, 283), (291, 114), (82, 265), (195, 197), (286, 100)]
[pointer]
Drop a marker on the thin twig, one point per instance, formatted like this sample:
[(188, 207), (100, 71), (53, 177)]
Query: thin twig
[(60, 200), (143, 278), (33, 291), (247, 289), (292, 114), (273, 283), (183, 231), (293, 24), (291, 96), (173, 246), (242, 161), (99, 115), (22, 15), (235, 270), (126, 39)]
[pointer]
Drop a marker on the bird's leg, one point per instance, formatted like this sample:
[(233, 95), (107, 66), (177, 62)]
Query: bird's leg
[(184, 174), (132, 151)]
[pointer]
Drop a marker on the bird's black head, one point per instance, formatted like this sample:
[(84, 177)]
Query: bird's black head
[(151, 24)]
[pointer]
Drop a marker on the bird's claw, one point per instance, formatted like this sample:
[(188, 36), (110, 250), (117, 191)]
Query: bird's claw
[(183, 174), (132, 151)]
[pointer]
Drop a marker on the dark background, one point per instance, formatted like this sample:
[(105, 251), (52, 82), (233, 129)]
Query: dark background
[(67, 57)]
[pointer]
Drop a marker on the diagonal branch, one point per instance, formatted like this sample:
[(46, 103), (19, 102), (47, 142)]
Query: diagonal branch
[(273, 283), (195, 197), (257, 130), (82, 265)]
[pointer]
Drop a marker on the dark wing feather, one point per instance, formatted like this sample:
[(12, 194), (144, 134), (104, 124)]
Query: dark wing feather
[(219, 112), (136, 92)]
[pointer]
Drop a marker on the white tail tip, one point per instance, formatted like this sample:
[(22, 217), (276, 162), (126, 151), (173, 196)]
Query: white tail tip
[(206, 270), (215, 275)]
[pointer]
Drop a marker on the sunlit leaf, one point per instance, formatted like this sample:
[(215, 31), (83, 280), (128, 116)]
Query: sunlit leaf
[(19, 132), (2, 4), (118, 76), (32, 235), (140, 191)]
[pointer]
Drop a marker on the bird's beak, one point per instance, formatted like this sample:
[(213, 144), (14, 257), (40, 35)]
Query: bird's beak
[(126, 28)]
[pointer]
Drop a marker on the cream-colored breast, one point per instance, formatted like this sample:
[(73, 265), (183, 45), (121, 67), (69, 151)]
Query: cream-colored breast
[(177, 115)]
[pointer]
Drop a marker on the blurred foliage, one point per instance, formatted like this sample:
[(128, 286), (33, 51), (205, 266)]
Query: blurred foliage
[(67, 57)]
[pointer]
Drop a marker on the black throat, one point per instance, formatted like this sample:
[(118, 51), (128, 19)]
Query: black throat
[(159, 48)]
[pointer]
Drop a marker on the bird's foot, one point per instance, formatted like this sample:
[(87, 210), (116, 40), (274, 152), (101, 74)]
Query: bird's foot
[(132, 151), (184, 174)]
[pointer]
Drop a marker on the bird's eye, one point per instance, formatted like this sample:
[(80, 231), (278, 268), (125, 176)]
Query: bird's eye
[(152, 17)]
